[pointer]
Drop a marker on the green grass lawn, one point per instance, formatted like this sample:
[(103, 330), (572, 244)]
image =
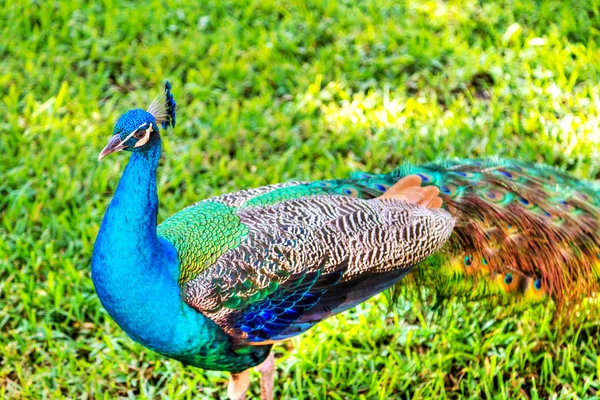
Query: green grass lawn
[(267, 92)]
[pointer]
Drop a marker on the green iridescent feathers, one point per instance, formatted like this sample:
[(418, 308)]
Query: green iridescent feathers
[(308, 258), (201, 234)]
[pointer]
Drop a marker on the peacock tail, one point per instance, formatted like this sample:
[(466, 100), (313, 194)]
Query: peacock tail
[(523, 230)]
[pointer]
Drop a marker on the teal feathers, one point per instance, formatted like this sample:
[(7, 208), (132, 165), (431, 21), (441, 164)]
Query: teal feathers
[(136, 272)]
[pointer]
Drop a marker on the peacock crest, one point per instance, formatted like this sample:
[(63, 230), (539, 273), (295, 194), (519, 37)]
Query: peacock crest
[(163, 107)]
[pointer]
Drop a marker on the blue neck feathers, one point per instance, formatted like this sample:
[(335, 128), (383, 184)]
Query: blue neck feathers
[(135, 273)]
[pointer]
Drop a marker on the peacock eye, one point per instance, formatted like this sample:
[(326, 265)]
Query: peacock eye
[(139, 134)]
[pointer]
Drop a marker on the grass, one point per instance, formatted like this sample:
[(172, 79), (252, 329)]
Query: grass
[(272, 91)]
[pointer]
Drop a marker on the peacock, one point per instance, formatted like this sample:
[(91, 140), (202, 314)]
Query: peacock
[(218, 283)]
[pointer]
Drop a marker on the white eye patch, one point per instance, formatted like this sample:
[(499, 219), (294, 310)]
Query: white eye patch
[(132, 133), (144, 139)]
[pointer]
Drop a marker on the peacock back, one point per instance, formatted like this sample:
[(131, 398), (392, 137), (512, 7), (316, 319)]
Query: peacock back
[(268, 263)]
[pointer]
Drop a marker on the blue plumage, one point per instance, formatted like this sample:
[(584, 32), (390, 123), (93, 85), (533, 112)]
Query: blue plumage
[(270, 318), (170, 107)]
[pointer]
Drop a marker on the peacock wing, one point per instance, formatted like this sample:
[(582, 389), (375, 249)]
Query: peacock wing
[(306, 258), (205, 230)]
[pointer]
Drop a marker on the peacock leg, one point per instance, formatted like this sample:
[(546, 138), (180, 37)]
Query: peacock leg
[(267, 377), (238, 385)]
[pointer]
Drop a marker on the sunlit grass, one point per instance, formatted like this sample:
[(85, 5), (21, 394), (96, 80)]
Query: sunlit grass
[(271, 91)]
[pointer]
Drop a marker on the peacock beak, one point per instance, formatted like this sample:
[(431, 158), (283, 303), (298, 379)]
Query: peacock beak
[(114, 145)]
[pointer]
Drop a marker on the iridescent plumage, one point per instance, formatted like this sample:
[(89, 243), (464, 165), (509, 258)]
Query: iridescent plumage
[(217, 283), (528, 230)]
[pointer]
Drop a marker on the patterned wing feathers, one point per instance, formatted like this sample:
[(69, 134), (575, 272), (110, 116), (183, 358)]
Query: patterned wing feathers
[(299, 251), (312, 249)]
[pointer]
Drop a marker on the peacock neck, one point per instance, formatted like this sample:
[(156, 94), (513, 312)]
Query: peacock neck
[(127, 236), (134, 271), (134, 206)]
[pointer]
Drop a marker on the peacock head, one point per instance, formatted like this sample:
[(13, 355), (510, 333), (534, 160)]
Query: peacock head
[(137, 130)]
